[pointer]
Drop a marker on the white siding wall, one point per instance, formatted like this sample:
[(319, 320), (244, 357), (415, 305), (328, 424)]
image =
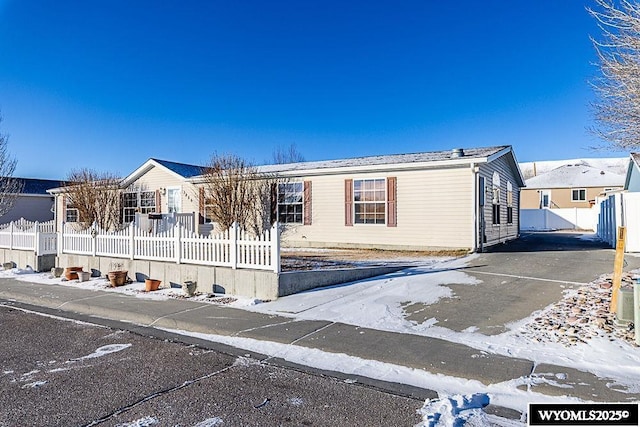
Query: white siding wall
[(434, 210), (503, 232)]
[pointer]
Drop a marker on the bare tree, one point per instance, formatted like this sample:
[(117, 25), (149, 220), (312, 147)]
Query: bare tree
[(235, 191), (287, 155), (96, 196), (10, 187), (617, 110)]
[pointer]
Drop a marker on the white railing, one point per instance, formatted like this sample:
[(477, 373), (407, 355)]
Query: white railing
[(29, 236), (233, 248), (159, 222)]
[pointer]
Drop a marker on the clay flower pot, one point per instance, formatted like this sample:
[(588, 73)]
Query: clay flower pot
[(117, 278), (151, 284), (71, 273)]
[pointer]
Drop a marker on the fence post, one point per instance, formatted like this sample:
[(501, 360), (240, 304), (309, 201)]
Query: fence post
[(11, 235), (233, 245), (274, 236), (177, 240), (60, 241), (37, 237), (132, 241), (94, 235)]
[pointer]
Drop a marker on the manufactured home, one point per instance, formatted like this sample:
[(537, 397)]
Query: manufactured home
[(457, 199)]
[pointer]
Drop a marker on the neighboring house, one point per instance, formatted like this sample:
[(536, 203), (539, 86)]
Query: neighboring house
[(33, 203), (623, 209), (459, 199), (569, 186), (632, 180)]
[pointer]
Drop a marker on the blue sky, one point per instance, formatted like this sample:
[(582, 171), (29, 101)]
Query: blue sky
[(106, 85)]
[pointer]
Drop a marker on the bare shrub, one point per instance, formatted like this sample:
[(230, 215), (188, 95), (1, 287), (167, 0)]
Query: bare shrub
[(97, 197)]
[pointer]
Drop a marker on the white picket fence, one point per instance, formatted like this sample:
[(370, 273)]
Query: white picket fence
[(39, 237), (233, 248)]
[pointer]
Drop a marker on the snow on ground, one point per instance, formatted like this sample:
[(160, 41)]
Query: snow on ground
[(601, 353)]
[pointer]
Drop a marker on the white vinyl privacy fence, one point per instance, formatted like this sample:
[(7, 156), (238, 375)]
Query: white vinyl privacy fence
[(233, 248), (559, 219), (24, 235), (621, 209)]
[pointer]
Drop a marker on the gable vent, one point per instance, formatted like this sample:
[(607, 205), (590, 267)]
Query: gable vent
[(457, 152)]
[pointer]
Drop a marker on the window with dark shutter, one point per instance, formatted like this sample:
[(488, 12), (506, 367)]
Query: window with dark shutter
[(307, 203), (392, 206), (348, 202)]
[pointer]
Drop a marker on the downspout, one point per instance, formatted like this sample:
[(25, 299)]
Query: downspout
[(476, 204)]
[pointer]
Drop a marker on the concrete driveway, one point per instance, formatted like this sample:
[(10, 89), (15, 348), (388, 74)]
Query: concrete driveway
[(521, 277), (482, 293)]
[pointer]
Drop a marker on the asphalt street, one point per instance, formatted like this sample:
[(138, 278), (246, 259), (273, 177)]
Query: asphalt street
[(57, 372)]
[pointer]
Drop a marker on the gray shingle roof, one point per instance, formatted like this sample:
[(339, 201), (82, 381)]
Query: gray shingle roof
[(182, 169), (39, 186), (431, 156), (578, 175)]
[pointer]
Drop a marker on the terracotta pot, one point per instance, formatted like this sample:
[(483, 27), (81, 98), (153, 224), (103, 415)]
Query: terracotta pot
[(117, 278), (151, 284), (71, 273)]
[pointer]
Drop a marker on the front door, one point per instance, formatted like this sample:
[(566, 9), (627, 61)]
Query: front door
[(174, 203), (545, 199)]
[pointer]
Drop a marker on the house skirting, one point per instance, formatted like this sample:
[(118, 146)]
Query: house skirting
[(260, 284)]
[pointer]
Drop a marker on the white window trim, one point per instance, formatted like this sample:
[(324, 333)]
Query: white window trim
[(578, 190), (169, 189), (278, 203), (496, 201), (386, 201), (138, 207)]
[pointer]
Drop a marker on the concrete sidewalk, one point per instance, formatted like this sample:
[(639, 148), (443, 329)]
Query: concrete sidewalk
[(430, 354)]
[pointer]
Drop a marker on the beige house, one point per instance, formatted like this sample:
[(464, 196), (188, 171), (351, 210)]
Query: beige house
[(458, 199), (569, 186), (463, 198), (158, 186)]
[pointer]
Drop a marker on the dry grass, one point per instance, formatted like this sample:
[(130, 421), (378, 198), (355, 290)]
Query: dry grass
[(315, 259)]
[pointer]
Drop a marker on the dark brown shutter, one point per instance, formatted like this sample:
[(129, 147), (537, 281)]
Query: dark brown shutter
[(392, 206), (274, 203), (348, 202), (307, 203), (158, 202), (201, 204)]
